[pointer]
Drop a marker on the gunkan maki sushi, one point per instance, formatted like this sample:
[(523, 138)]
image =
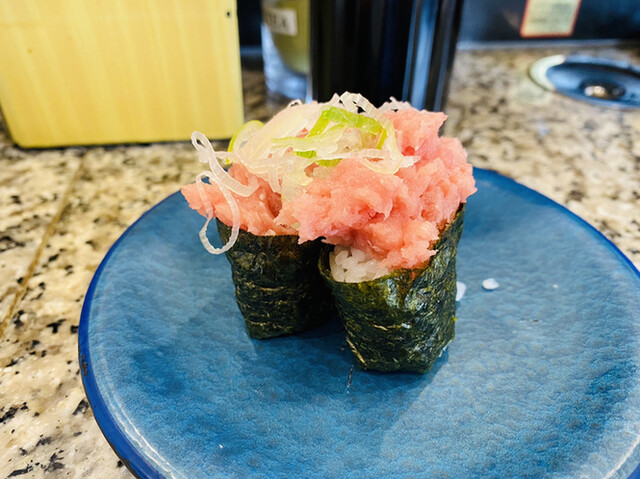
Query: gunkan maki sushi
[(278, 288), (394, 223)]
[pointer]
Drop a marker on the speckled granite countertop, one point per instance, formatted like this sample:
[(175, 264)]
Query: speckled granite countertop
[(60, 211)]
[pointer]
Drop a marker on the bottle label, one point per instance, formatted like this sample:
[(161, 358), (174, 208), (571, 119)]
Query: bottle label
[(549, 18), (282, 21)]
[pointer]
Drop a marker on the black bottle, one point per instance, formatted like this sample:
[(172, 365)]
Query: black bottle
[(383, 48)]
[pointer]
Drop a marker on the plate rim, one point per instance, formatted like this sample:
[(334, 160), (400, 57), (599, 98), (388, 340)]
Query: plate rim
[(121, 445), (117, 439)]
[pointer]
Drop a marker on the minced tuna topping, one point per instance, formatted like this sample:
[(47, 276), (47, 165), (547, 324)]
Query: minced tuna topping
[(392, 218), (257, 211), (380, 181)]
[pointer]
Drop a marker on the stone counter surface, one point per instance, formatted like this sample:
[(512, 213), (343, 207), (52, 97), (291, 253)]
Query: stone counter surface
[(61, 210)]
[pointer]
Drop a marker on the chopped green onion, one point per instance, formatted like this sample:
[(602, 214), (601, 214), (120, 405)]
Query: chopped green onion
[(345, 119), (320, 162), (306, 143), (319, 127), (329, 163)]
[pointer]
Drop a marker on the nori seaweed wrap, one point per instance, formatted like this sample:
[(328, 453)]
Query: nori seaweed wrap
[(404, 320), (278, 287)]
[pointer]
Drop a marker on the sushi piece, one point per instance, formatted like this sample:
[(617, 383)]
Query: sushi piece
[(405, 319), (278, 287), (394, 233)]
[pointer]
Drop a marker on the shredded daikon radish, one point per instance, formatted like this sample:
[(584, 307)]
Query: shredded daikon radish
[(394, 105), (226, 183), (316, 143), (272, 176), (282, 151), (235, 214), (222, 178), (244, 133), (335, 100), (301, 134), (409, 161), (392, 165), (288, 123)]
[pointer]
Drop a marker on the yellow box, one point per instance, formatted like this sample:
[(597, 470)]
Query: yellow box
[(119, 71)]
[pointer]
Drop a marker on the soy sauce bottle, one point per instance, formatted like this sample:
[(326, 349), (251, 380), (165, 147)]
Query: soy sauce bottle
[(383, 48)]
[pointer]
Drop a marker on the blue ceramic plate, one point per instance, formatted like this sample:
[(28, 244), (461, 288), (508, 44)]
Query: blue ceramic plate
[(542, 379)]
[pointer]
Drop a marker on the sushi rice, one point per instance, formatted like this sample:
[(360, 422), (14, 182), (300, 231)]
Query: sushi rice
[(352, 265)]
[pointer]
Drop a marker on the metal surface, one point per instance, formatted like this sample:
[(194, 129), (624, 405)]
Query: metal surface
[(596, 80)]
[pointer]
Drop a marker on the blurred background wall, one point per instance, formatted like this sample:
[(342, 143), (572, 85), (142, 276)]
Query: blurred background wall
[(487, 22)]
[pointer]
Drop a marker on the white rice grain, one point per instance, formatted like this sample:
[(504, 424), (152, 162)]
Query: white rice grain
[(490, 284), (351, 265)]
